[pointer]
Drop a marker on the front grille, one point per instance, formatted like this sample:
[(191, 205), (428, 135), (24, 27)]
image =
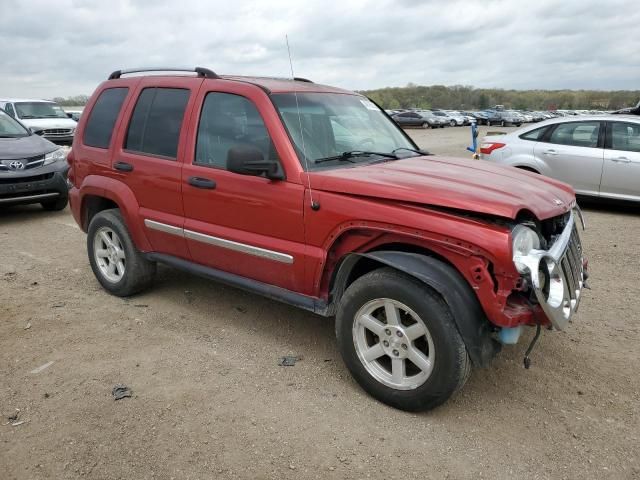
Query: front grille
[(31, 162), (56, 132), (33, 178), (572, 267)]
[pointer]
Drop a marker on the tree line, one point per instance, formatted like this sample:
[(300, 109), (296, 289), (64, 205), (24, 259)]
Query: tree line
[(469, 98)]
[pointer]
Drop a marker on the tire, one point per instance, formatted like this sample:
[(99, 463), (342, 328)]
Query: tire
[(56, 205), (452, 123), (109, 243), (447, 365), (503, 124), (488, 123), (518, 125), (425, 125)]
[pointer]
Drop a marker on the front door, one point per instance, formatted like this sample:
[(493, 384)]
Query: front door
[(247, 225), (621, 174)]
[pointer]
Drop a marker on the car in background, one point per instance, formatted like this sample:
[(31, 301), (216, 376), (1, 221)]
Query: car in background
[(503, 118), (445, 116), (419, 118), (42, 117), (32, 169), (460, 118), (598, 155), (74, 114)]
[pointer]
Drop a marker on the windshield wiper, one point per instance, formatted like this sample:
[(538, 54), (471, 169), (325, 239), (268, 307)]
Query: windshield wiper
[(347, 156), (26, 116), (421, 152)]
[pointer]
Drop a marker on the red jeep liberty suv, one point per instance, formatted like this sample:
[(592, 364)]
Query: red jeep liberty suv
[(312, 195)]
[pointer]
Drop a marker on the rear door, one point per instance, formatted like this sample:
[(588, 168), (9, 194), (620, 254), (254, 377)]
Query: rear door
[(573, 152), (621, 174), (246, 225), (148, 157)]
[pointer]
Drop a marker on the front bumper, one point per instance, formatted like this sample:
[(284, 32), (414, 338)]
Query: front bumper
[(558, 275), (34, 185)]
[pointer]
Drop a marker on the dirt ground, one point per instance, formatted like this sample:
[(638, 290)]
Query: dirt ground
[(209, 400)]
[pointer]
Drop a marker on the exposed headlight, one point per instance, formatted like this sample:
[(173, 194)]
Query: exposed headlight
[(55, 156), (524, 239)]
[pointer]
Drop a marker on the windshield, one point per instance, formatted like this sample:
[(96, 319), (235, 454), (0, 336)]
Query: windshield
[(39, 110), (333, 124), (9, 128)]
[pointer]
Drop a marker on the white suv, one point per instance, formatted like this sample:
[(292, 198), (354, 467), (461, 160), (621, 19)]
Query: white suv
[(43, 117)]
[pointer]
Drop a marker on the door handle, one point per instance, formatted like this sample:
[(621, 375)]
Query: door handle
[(123, 166), (550, 152), (200, 182), (621, 160)]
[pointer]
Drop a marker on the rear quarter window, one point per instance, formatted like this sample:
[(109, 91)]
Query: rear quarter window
[(103, 116), (534, 135)]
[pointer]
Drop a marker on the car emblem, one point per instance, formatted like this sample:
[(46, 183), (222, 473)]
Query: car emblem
[(16, 165), (558, 202)]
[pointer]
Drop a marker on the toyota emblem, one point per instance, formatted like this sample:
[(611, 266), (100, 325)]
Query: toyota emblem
[(16, 165)]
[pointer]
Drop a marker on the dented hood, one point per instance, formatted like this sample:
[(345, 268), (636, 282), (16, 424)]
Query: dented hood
[(471, 185)]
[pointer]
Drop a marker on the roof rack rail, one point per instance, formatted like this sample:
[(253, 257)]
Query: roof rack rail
[(202, 72), (300, 79)]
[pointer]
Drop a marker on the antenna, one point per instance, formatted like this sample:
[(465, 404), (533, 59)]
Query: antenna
[(314, 205)]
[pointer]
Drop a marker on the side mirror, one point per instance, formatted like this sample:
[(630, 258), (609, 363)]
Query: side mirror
[(248, 160)]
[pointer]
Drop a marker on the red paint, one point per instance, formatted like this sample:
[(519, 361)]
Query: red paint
[(413, 203)]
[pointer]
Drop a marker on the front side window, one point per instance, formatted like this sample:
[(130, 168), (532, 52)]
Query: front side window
[(28, 110), (226, 121), (577, 134), (325, 125), (625, 136), (9, 128), (103, 116), (156, 122)]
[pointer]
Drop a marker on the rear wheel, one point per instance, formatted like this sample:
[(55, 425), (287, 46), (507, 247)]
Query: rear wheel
[(488, 123), (399, 340), (452, 123), (119, 267), (425, 125), (503, 123), (54, 205)]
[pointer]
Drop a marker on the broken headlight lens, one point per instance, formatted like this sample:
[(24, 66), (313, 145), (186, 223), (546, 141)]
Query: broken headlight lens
[(524, 239)]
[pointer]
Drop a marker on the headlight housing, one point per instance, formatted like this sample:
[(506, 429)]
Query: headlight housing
[(524, 239), (55, 156)]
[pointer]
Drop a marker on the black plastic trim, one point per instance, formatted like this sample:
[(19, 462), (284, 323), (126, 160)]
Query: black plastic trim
[(312, 304), (202, 72)]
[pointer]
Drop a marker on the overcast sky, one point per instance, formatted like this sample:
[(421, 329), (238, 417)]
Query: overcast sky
[(66, 47)]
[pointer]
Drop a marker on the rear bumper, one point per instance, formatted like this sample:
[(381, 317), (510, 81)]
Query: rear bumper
[(34, 186)]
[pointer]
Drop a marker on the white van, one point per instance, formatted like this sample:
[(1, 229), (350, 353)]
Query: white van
[(43, 117)]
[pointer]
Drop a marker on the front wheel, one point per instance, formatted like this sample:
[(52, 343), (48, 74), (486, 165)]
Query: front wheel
[(117, 264), (399, 341), (452, 123), (425, 125)]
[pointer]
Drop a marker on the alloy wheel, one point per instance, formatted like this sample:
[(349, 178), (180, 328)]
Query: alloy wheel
[(109, 254)]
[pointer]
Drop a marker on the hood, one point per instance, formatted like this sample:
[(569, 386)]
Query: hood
[(49, 123), (470, 185), (24, 147)]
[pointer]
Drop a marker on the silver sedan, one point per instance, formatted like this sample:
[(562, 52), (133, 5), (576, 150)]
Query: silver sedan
[(598, 155)]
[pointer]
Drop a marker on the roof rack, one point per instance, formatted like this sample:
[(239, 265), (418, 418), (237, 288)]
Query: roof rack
[(202, 72)]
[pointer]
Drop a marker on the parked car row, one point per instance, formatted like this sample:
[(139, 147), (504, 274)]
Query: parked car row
[(498, 115)]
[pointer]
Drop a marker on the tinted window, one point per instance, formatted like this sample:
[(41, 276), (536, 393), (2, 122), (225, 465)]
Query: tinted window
[(229, 120), (578, 134), (97, 132), (534, 135), (625, 136), (9, 109), (156, 121)]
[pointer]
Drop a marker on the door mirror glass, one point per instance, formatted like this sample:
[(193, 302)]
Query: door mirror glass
[(248, 160)]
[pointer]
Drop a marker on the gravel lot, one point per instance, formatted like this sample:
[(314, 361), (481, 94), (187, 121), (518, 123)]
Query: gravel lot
[(210, 401)]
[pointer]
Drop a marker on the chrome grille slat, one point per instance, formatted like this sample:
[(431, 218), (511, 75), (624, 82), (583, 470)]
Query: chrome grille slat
[(567, 270)]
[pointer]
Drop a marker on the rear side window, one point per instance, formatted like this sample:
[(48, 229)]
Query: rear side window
[(99, 128), (577, 134), (534, 135), (9, 109), (156, 122)]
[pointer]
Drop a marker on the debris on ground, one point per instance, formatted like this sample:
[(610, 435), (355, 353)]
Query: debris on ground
[(121, 391), (141, 305), (27, 326), (58, 305), (14, 419), (42, 367), (289, 360), (241, 309)]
